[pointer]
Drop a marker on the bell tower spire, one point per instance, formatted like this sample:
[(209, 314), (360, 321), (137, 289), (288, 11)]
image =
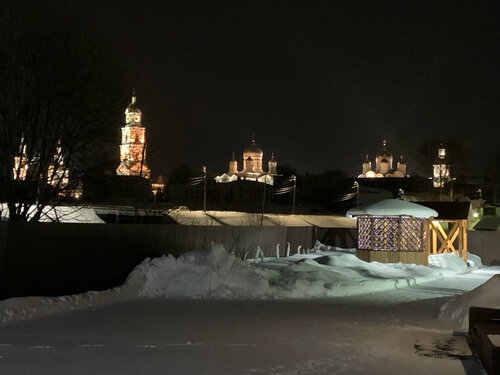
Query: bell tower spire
[(133, 146)]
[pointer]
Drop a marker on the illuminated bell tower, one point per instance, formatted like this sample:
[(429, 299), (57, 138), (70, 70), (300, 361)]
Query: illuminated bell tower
[(133, 146)]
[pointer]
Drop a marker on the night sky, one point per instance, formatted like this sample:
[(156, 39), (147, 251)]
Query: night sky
[(319, 83)]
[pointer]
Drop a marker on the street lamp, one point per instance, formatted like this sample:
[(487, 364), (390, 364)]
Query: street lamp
[(356, 186), (294, 179), (204, 169)]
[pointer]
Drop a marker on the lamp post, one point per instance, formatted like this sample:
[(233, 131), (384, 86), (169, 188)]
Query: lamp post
[(356, 186), (263, 201), (294, 179), (204, 169)]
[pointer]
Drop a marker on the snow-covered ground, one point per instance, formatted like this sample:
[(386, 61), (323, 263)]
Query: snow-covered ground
[(60, 214), (207, 312)]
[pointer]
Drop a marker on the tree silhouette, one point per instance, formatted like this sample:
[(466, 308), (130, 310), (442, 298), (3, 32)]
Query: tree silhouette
[(59, 105)]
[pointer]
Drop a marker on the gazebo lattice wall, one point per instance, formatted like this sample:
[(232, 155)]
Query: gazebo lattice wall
[(393, 239), (391, 233)]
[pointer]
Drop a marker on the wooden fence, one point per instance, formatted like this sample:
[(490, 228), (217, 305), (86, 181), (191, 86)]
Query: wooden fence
[(58, 259)]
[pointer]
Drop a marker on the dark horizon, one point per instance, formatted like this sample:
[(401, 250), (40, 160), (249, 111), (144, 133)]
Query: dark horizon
[(320, 85)]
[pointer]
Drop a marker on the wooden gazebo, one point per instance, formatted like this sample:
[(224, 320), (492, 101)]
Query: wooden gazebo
[(392, 231)]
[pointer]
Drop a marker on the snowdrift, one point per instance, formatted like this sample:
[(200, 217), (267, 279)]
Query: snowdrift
[(219, 274), (322, 272), (486, 295)]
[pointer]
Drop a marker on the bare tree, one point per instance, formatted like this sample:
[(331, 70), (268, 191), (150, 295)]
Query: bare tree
[(58, 105)]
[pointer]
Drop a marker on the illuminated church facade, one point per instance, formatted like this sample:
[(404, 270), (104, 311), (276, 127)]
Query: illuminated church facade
[(383, 165), (252, 167), (133, 145)]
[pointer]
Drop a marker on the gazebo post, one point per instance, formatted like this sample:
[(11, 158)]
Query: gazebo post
[(428, 223), (462, 240)]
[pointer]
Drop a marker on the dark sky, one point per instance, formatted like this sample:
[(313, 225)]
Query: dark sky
[(319, 83)]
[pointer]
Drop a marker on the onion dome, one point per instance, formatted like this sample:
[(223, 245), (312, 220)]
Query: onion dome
[(253, 149)]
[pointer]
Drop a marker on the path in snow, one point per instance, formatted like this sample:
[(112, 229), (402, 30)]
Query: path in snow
[(373, 335)]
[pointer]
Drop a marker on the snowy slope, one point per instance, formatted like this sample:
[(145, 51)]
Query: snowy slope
[(485, 295)]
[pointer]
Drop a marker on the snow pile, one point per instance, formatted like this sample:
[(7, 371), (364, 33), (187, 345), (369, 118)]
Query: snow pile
[(28, 307), (219, 274), (322, 272), (485, 295), (337, 274), (207, 274)]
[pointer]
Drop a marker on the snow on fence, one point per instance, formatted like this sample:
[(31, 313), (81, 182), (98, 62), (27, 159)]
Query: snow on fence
[(59, 259)]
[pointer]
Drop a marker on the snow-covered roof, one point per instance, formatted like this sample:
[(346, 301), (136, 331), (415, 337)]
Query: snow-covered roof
[(233, 218), (61, 214), (393, 207)]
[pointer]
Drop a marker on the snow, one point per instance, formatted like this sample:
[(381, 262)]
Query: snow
[(322, 311), (495, 339), (485, 295), (393, 207), (236, 218), (62, 214), (321, 272)]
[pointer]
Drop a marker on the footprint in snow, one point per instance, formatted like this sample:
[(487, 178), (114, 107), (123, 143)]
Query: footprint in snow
[(90, 345)]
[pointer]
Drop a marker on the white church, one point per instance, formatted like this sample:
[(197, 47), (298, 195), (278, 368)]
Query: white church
[(383, 165), (251, 167)]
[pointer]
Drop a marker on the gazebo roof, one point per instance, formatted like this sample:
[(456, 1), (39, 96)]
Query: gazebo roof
[(393, 207)]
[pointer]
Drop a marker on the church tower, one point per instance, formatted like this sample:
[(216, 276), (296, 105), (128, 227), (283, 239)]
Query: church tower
[(133, 146)]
